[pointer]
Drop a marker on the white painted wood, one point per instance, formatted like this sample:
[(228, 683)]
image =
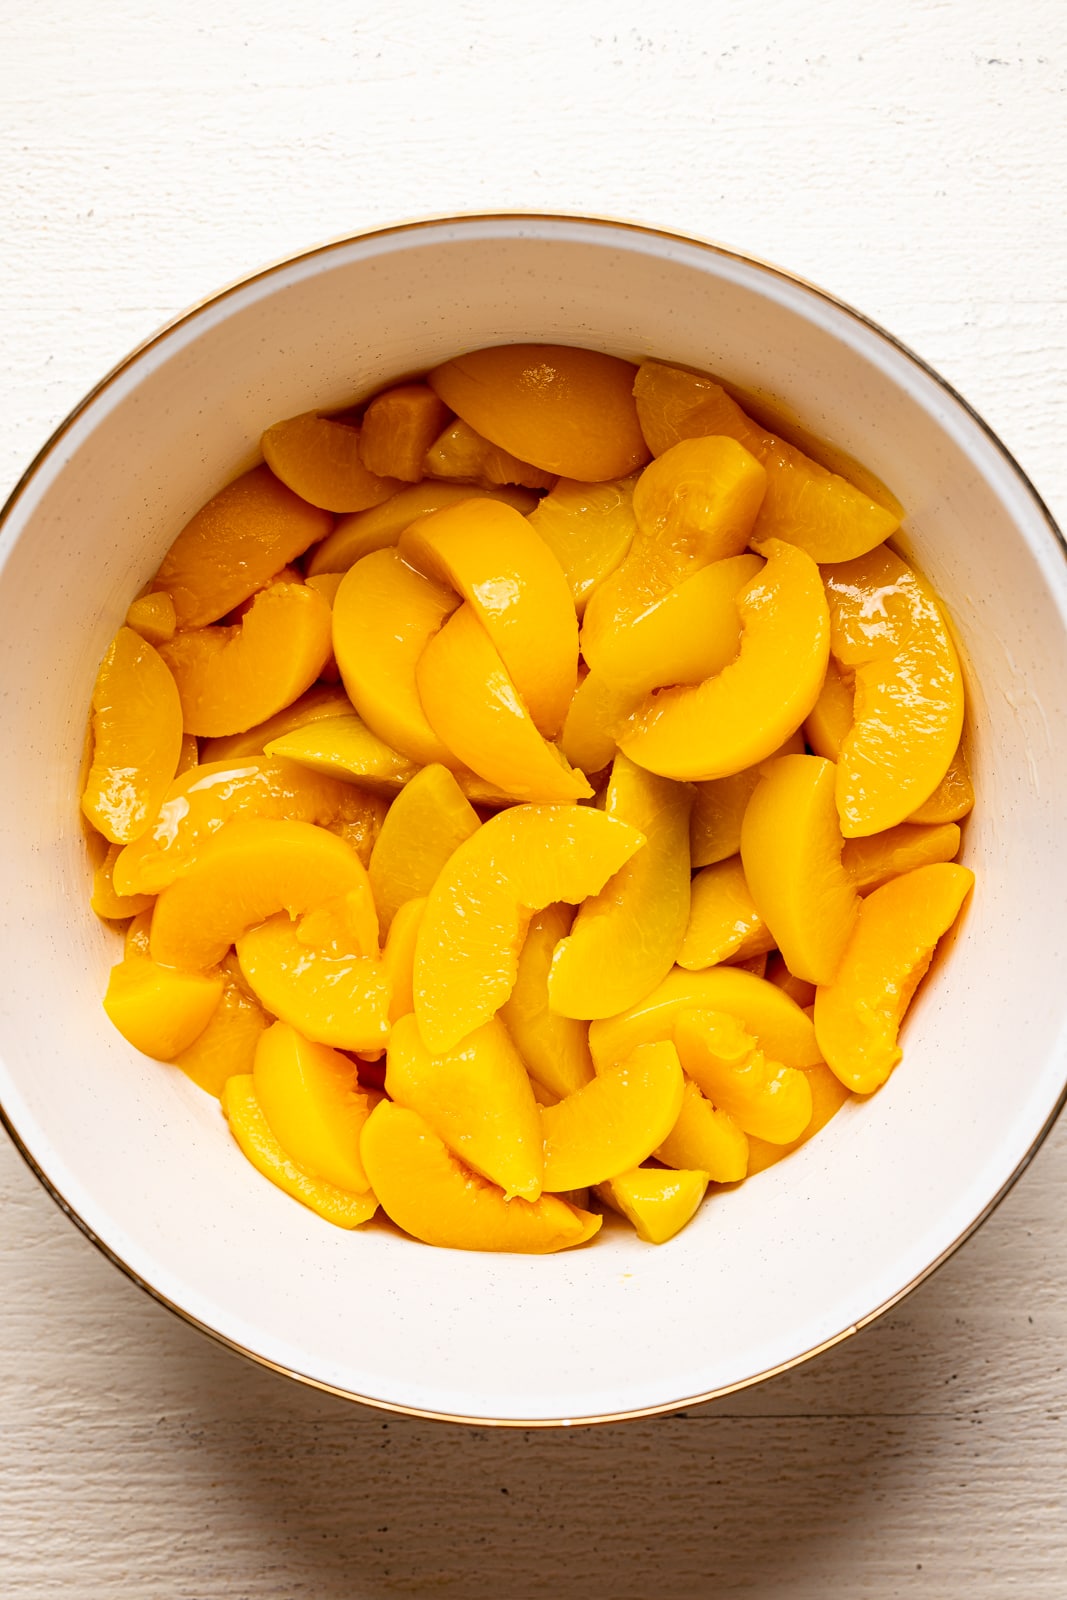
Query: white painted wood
[(909, 158)]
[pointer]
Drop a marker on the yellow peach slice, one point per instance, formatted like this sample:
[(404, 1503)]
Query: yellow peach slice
[(887, 627), (566, 410), (477, 1098), (828, 1095), (742, 715), (597, 712), (830, 720), (157, 1010), (428, 1192), (235, 545), (554, 1048), (320, 460), (872, 861), (245, 873), (336, 995), (705, 1139), (138, 938), (613, 1123), (858, 1016), (384, 616), (398, 428), (319, 704), (105, 899), (312, 1100), (378, 528), (719, 807), (344, 747), (398, 957), (427, 821), (589, 527), (953, 797), (232, 677), (153, 617), (791, 852), (473, 706), (477, 912), (805, 504), (137, 738), (625, 939), (228, 1043), (724, 924), (657, 1203), (781, 1027), (765, 1099), (462, 455), (253, 1134)]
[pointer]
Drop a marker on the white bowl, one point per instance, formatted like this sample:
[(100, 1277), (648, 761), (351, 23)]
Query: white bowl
[(768, 1273)]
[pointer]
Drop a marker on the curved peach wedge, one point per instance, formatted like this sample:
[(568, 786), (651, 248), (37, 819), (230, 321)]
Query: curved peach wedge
[(589, 527), (137, 738), (478, 910), (657, 1203), (461, 455), (719, 809), (953, 797), (597, 713), (858, 1016), (791, 848), (765, 1099), (613, 1123), (105, 899), (555, 1048), (830, 719), (477, 1098), (724, 924), (344, 747), (232, 677), (313, 1102), (705, 1139), (160, 1011), (380, 527), (428, 1192), (828, 1095), (872, 861), (335, 994), (398, 957), (317, 705), (625, 939), (153, 617), (566, 410), (228, 1043), (320, 460), (742, 715), (428, 820), (399, 426)]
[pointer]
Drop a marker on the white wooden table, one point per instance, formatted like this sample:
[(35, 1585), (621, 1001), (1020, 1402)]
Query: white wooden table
[(910, 158)]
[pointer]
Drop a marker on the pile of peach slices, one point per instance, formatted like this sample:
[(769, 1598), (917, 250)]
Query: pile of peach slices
[(541, 779)]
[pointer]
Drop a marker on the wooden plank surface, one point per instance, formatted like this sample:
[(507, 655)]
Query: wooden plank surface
[(912, 159)]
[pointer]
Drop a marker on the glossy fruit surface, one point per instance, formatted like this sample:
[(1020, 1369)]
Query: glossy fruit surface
[(137, 738)]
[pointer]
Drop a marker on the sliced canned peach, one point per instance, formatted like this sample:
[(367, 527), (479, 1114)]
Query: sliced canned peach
[(872, 861), (228, 1043), (462, 455), (705, 1139), (613, 1123), (312, 1100), (555, 1048), (235, 545), (830, 719), (566, 410), (157, 1010), (597, 712), (153, 617), (137, 738), (428, 820), (433, 1196), (954, 796), (320, 460), (317, 705), (724, 924), (380, 527), (345, 747), (398, 428), (106, 900), (334, 994), (657, 1203), (828, 1095), (589, 527), (766, 1099), (719, 808), (398, 957)]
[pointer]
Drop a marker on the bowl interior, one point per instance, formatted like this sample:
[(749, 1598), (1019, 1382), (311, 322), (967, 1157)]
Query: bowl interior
[(767, 1272)]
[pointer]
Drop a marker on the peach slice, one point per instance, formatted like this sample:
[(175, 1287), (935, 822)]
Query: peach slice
[(657, 1203), (473, 706), (320, 460), (791, 851), (780, 1026), (137, 738), (105, 899), (384, 616), (344, 747), (589, 527), (830, 720), (554, 1048), (231, 677), (953, 797), (887, 627), (798, 989), (705, 1139), (427, 821), (477, 912), (477, 1098), (380, 527), (235, 545), (462, 455), (153, 617), (336, 993), (828, 1095), (598, 711), (228, 1043), (805, 504), (742, 715), (613, 1123), (719, 807), (565, 410), (398, 957), (765, 1099), (428, 1192), (399, 427), (858, 1016), (513, 583), (319, 704), (157, 1010), (872, 861), (724, 924), (138, 937), (254, 1136), (316, 1109), (625, 939), (245, 873)]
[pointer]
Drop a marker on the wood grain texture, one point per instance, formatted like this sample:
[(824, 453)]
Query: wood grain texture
[(910, 158)]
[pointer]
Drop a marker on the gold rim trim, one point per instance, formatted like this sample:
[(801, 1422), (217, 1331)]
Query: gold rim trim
[(666, 1407)]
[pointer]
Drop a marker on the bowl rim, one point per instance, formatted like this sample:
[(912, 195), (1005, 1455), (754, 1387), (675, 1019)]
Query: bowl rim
[(714, 247)]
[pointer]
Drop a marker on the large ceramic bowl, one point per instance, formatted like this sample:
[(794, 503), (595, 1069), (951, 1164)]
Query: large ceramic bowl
[(768, 1273)]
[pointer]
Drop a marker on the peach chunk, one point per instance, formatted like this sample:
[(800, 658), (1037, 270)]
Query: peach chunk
[(510, 578), (613, 1123), (345, 747), (153, 617), (427, 821), (398, 957), (320, 460), (765, 1099), (478, 910), (953, 797), (313, 1102), (589, 527), (428, 1192), (872, 861), (244, 874), (477, 1098), (625, 939), (742, 715), (105, 899), (719, 808), (462, 455), (858, 1016), (336, 993), (566, 410), (555, 1048), (158, 1010), (705, 1139), (474, 707), (384, 616), (235, 545), (657, 1203), (791, 851), (828, 1095), (724, 924), (231, 677), (321, 702), (886, 626), (253, 1133), (228, 1043), (805, 504), (378, 528), (399, 427), (136, 738)]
